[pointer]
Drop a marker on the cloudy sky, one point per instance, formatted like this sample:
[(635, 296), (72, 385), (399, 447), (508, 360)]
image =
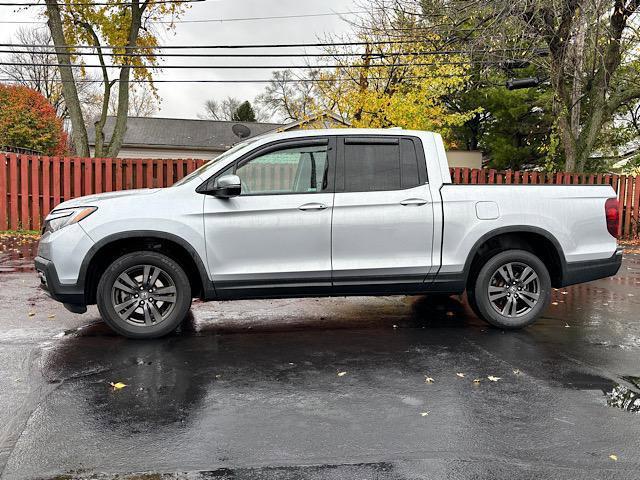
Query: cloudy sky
[(185, 100)]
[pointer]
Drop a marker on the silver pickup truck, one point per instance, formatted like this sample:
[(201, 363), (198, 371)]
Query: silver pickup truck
[(325, 213)]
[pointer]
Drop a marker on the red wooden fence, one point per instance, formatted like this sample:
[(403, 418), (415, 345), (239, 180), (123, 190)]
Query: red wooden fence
[(31, 186)]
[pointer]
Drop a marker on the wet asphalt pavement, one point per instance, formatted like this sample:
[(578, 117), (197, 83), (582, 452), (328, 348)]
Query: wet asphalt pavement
[(325, 388)]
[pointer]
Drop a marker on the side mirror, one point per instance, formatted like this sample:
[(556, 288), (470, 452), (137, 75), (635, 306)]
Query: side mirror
[(226, 186)]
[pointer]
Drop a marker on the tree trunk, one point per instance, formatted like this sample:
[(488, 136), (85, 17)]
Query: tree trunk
[(122, 114), (576, 91), (69, 90)]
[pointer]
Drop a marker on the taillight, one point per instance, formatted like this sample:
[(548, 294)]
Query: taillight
[(612, 214)]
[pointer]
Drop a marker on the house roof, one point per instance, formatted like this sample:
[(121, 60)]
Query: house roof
[(180, 133)]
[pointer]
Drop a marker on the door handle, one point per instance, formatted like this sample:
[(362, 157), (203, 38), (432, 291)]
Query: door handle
[(312, 206), (413, 201)]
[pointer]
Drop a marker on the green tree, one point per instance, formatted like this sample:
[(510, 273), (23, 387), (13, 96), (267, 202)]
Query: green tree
[(244, 113), (588, 51), (512, 128)]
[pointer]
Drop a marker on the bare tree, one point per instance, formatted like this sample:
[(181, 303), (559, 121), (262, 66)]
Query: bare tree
[(287, 98), (220, 110), (226, 110), (27, 67), (143, 102)]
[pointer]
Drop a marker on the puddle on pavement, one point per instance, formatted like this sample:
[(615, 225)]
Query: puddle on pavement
[(17, 252), (625, 398)]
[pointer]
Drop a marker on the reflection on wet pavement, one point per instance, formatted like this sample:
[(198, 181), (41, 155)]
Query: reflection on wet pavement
[(17, 252), (626, 397), (335, 388)]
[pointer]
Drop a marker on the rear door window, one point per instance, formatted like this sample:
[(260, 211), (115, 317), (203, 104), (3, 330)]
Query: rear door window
[(378, 164)]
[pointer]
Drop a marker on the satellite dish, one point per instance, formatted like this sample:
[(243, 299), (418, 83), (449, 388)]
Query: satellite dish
[(241, 131)]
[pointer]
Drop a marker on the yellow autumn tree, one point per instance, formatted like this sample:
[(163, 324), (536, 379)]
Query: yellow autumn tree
[(395, 85), (123, 48)]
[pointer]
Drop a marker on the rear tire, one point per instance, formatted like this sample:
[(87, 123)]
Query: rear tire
[(512, 289), (144, 295)]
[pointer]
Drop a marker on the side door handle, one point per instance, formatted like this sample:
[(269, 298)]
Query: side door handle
[(414, 201), (312, 206)]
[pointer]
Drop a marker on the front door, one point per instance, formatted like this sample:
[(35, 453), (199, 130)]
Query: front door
[(382, 230), (277, 234)]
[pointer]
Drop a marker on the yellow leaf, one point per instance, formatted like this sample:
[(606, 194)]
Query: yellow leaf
[(428, 380), (342, 374), (118, 385), (613, 457), (493, 379)]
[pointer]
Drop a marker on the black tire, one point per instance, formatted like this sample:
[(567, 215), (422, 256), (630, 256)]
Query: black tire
[(527, 308), (144, 322), (471, 299)]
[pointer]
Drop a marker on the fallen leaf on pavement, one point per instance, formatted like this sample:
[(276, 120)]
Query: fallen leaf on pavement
[(53, 315), (117, 385), (428, 380), (613, 457), (493, 379)]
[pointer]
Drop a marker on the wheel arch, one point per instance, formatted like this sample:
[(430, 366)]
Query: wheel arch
[(536, 240), (103, 252)]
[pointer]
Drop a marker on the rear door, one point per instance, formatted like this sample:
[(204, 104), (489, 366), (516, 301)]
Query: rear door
[(382, 227)]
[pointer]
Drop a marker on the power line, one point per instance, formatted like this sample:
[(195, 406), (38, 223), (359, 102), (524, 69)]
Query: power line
[(230, 47), (292, 80), (95, 4), (220, 20), (262, 55), (257, 67)]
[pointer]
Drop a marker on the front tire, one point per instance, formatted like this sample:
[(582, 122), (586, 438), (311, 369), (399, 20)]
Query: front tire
[(512, 289), (144, 295)]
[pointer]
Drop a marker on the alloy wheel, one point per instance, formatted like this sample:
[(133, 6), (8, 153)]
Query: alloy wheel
[(514, 289), (144, 295)]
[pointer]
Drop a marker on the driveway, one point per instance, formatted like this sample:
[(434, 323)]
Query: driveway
[(349, 388)]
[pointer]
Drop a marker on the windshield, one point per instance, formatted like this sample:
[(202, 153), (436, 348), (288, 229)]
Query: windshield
[(202, 171)]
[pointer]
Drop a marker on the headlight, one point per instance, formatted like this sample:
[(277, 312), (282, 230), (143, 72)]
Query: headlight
[(65, 216)]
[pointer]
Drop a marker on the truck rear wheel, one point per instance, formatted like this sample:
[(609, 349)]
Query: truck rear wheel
[(144, 295), (512, 289)]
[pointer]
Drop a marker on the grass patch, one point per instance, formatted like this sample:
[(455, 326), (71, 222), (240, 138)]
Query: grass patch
[(27, 233)]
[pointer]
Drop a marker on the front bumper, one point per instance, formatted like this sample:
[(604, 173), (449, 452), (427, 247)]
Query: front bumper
[(72, 295), (580, 272)]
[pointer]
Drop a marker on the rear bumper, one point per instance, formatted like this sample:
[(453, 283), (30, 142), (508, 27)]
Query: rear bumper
[(67, 294), (580, 272)]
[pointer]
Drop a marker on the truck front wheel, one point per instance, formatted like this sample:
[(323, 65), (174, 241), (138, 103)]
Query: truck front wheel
[(144, 295), (512, 289)]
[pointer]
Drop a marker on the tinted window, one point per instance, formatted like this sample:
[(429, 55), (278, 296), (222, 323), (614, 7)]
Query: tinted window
[(290, 170), (380, 166)]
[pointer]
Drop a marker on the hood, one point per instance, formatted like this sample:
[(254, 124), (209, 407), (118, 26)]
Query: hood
[(91, 200)]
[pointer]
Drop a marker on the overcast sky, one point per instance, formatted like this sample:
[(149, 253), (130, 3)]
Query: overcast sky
[(185, 100)]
